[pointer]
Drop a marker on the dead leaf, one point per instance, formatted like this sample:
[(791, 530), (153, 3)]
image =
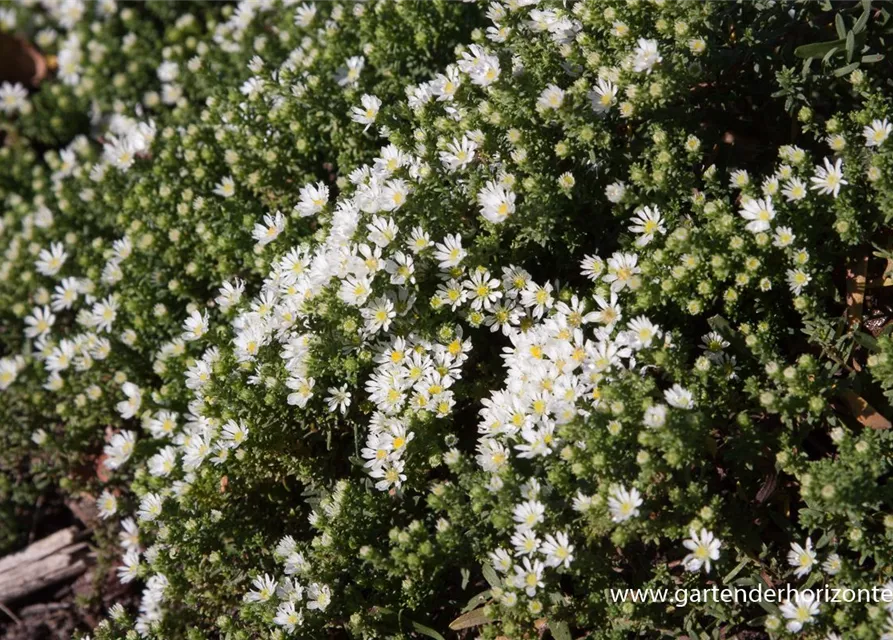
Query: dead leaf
[(877, 283), (474, 618), (768, 487), (224, 483), (864, 412), (855, 291), (102, 471), (883, 280), (20, 61)]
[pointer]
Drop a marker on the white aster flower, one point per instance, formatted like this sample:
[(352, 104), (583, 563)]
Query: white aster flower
[(704, 548), (558, 550), (450, 252), (49, 262), (801, 611), (802, 557), (313, 198), (272, 226), (150, 507), (528, 514), (759, 213), (13, 97), (877, 132), (679, 397), (367, 112), (829, 178), (551, 98), (119, 449), (264, 588), (797, 279), (226, 188), (624, 504), (603, 97), (646, 55), (338, 399), (107, 504), (647, 222)]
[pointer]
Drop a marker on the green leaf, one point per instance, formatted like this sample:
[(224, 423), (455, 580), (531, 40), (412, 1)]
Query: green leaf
[(477, 601), (845, 70), (721, 325), (357, 461), (560, 631), (872, 58), (818, 49), (850, 46), (861, 23), (759, 621), (840, 25), (866, 340), (466, 575), (814, 578), (491, 576), (417, 627), (768, 607), (734, 572), (824, 540), (426, 631)]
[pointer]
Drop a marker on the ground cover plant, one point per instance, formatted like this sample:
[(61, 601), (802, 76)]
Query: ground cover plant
[(401, 319)]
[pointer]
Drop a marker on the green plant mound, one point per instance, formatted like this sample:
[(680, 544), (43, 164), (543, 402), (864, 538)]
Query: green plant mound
[(407, 319)]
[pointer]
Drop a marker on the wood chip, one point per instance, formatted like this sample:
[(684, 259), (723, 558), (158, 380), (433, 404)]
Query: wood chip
[(54, 559)]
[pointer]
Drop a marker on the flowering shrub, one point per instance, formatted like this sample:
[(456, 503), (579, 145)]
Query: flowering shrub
[(386, 323)]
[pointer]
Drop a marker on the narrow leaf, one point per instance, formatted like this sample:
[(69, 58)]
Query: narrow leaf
[(866, 340), (426, 631), (840, 25), (831, 53), (824, 540), (474, 618), (818, 49), (859, 27), (734, 572), (476, 601), (838, 73)]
